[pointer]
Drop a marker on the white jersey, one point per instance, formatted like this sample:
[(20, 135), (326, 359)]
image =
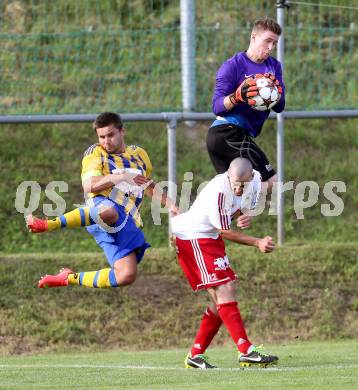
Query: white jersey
[(215, 207)]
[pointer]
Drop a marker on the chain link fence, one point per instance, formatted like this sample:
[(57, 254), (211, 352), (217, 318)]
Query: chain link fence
[(89, 55)]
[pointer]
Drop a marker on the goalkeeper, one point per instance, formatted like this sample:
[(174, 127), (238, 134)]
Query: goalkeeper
[(113, 177), (231, 134)]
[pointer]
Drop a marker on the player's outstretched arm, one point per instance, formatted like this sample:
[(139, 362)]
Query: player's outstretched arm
[(151, 190), (265, 244)]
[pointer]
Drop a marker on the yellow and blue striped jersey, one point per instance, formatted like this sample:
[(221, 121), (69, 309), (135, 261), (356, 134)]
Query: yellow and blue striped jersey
[(98, 162)]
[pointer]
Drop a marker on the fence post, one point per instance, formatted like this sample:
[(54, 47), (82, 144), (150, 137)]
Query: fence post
[(172, 157), (187, 41), (280, 134)]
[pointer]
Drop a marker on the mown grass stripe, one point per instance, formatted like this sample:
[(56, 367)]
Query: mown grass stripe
[(161, 368)]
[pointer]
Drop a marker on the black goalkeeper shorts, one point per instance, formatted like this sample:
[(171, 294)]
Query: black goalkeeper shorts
[(226, 142)]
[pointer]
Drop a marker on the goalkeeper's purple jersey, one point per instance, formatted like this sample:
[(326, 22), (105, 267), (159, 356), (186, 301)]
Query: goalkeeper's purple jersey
[(229, 76)]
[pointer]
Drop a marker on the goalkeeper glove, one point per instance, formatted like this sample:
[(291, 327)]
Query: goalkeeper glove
[(246, 90)]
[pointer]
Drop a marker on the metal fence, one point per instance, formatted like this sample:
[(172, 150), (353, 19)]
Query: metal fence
[(171, 119), (55, 61), (86, 55)]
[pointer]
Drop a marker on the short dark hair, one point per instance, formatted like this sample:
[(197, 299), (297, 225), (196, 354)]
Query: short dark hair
[(108, 118), (265, 24)]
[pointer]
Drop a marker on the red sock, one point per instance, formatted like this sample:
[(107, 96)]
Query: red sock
[(209, 326), (230, 314)]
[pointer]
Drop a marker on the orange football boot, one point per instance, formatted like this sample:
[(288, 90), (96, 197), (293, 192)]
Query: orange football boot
[(36, 225), (59, 280)]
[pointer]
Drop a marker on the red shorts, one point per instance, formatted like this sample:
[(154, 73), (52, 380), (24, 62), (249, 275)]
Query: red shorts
[(204, 262)]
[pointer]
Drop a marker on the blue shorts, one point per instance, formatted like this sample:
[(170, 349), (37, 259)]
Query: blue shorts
[(128, 237)]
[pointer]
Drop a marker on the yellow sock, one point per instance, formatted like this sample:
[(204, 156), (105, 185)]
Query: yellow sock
[(75, 218), (98, 279)]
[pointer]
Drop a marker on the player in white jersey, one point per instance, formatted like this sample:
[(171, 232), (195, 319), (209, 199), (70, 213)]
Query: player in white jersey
[(201, 253), (215, 207)]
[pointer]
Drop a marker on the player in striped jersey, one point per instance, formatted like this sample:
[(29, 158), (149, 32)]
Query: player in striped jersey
[(114, 177), (201, 253)]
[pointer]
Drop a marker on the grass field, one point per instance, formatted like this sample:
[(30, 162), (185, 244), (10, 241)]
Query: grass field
[(329, 365), (297, 292)]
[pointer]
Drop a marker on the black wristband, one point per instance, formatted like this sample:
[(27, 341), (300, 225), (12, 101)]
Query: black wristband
[(233, 99)]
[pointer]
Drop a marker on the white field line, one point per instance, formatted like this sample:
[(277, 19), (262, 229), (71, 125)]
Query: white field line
[(159, 368)]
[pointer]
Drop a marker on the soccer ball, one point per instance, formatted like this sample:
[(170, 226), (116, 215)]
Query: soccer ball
[(268, 94)]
